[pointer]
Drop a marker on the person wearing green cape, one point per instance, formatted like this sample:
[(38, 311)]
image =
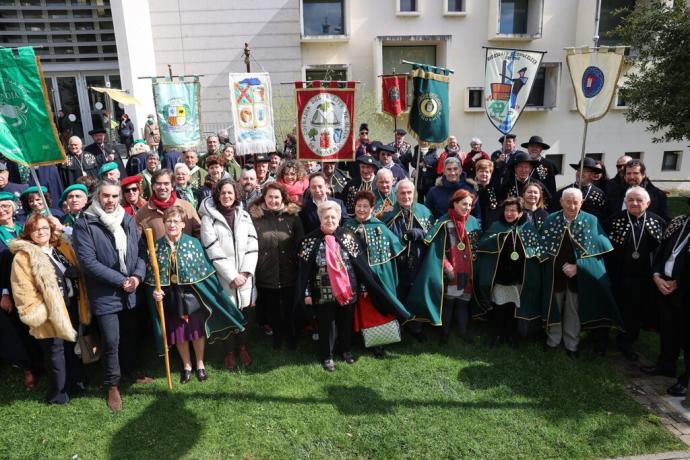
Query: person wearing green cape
[(508, 273), (577, 289), (196, 306), (444, 287), (381, 248)]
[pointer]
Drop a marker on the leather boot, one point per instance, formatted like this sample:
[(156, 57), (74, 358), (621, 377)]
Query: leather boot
[(29, 380), (230, 361), (114, 400), (244, 356)]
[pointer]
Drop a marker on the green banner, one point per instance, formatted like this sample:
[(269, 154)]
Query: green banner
[(179, 112), (27, 133), (429, 112)]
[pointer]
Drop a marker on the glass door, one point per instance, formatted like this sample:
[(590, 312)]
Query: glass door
[(69, 104)]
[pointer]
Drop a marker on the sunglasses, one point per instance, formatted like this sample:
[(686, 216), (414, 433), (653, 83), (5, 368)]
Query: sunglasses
[(131, 190)]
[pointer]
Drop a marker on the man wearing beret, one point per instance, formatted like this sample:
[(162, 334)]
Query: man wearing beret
[(76, 197), (109, 171)]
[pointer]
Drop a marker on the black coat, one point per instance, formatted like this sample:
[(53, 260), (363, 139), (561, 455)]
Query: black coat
[(615, 194), (101, 152), (673, 234), (310, 218), (95, 249)]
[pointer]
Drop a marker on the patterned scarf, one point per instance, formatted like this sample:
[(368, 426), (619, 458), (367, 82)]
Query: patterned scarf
[(337, 271), (461, 258)]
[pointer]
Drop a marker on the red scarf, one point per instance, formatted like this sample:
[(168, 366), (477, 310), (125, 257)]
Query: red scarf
[(163, 205), (461, 259), (337, 272)]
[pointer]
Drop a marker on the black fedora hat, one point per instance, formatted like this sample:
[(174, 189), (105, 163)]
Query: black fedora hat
[(369, 160), (537, 140), (97, 131), (509, 136), (262, 158), (523, 157), (589, 164)]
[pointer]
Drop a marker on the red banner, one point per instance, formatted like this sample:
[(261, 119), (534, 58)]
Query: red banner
[(394, 93), (325, 112)]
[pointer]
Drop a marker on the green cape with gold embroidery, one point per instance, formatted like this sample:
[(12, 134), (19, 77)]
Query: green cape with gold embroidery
[(425, 299), (491, 244), (597, 306)]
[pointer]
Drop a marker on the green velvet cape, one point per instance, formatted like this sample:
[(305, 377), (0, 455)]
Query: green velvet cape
[(426, 297), (491, 245), (597, 306)]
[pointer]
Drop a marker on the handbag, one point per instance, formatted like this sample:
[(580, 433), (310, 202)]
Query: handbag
[(384, 334), (89, 348)]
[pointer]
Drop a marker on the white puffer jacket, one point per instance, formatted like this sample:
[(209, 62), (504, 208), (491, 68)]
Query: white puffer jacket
[(232, 251)]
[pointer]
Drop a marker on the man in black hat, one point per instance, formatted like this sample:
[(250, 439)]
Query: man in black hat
[(504, 155), (399, 145), (361, 148), (385, 155), (367, 171), (593, 198), (520, 172), (545, 170), (275, 159), (635, 173), (261, 162), (104, 153)]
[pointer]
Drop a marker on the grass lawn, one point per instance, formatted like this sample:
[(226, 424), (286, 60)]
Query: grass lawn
[(423, 401)]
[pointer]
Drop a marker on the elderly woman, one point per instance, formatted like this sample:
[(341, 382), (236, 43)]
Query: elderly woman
[(229, 237), (17, 347), (384, 192), (109, 171), (279, 230), (153, 164), (333, 274), (45, 286), (445, 284), (533, 200), (508, 272), (381, 246), (32, 203), (132, 199), (293, 176), (196, 306), (635, 234), (215, 165), (183, 190)]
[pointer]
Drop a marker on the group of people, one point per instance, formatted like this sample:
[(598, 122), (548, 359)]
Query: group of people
[(380, 246)]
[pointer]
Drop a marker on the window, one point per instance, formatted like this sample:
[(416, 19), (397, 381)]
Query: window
[(545, 88), (326, 73), (620, 99), (408, 6), (635, 155), (474, 100), (557, 158), (595, 156), (323, 17), (392, 55), (671, 161), (455, 6), (513, 19), (608, 20)]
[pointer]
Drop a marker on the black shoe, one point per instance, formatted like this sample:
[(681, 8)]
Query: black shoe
[(678, 389), (201, 374), (349, 358), (328, 365), (654, 370), (379, 352), (185, 376), (572, 354)]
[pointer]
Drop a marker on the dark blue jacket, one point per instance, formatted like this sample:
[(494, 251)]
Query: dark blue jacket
[(438, 197), (95, 248)]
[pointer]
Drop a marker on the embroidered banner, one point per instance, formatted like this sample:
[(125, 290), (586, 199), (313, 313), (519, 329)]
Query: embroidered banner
[(509, 76), (594, 73), (178, 105), (429, 111), (394, 92), (252, 113), (325, 111), (28, 134)]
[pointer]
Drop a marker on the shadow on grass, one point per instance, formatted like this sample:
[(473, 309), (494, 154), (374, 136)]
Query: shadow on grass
[(166, 429)]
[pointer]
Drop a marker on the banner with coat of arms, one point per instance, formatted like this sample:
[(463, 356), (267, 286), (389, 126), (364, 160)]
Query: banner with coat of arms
[(252, 113), (28, 135), (508, 80), (394, 92), (594, 73), (325, 112), (429, 111), (178, 106)]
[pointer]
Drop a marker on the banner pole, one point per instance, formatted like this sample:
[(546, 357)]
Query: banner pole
[(582, 154), (47, 212)]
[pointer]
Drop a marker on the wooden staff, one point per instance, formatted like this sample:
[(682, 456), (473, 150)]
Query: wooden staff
[(159, 304)]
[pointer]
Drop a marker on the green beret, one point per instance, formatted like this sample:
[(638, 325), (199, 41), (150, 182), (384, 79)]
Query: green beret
[(139, 141), (106, 167), (34, 189), (7, 196), (71, 188)]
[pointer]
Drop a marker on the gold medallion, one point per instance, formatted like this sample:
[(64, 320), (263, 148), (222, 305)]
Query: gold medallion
[(514, 256), (461, 246)]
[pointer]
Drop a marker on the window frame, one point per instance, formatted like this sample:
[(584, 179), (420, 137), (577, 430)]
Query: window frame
[(469, 108), (552, 73), (535, 22), (326, 67), (448, 12), (679, 160), (557, 158), (343, 37)]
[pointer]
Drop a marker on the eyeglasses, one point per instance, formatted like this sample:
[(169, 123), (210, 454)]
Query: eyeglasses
[(5, 207), (174, 222), (41, 230), (131, 190), (620, 166)]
